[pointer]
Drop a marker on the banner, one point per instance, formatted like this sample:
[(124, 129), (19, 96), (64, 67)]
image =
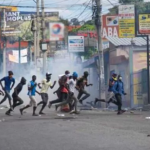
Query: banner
[(76, 43), (56, 31), (126, 21), (144, 23)]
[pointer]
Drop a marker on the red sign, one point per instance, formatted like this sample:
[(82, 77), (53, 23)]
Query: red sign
[(110, 26)]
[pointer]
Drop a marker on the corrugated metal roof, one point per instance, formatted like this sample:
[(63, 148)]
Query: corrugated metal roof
[(139, 41)]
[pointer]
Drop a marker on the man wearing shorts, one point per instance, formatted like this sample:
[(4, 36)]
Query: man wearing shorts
[(46, 84), (31, 93)]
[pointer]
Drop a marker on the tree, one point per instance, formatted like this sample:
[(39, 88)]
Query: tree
[(74, 22)]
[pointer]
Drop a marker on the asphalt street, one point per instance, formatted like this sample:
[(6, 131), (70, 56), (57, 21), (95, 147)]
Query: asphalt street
[(91, 130)]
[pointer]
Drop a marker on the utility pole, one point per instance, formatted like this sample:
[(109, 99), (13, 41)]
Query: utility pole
[(97, 12), (43, 37), (33, 29), (37, 31), (4, 50)]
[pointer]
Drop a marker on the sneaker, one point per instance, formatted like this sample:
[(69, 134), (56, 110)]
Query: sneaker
[(119, 113), (21, 111), (41, 113), (73, 111), (35, 115), (123, 111), (8, 114)]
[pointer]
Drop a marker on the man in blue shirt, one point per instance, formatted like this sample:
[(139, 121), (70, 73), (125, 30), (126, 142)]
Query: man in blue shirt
[(31, 93), (119, 86), (111, 91), (7, 87)]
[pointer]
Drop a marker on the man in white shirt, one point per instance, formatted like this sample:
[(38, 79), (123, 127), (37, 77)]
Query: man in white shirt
[(46, 84), (72, 85)]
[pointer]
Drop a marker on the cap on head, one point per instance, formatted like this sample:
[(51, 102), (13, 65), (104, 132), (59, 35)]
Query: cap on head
[(86, 73), (10, 73), (75, 75), (48, 74), (67, 72)]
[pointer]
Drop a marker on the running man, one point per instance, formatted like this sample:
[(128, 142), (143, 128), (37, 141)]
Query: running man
[(110, 98), (81, 83), (16, 99), (46, 84), (9, 82), (71, 83), (31, 93), (119, 86)]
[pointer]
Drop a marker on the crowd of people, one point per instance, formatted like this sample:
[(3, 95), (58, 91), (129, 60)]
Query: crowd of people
[(66, 97), (68, 83)]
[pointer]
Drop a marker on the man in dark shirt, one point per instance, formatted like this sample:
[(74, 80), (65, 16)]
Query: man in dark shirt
[(8, 87), (16, 99)]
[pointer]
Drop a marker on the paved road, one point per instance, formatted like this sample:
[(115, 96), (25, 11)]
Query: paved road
[(91, 130)]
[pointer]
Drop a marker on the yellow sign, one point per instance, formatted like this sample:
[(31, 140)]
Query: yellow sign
[(9, 8), (144, 23), (126, 28)]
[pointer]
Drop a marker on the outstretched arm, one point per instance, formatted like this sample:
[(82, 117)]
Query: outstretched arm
[(53, 85), (39, 85)]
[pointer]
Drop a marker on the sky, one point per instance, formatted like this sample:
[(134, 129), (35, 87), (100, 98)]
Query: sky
[(68, 9)]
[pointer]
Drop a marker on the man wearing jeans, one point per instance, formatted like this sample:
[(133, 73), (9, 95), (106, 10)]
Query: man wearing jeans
[(46, 84), (81, 83), (7, 87)]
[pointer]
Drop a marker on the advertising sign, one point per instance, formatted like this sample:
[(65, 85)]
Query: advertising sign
[(56, 31), (9, 8), (18, 24), (144, 23), (14, 57), (76, 43), (110, 27), (126, 21)]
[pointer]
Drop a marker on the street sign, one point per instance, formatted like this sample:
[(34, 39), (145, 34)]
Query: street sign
[(144, 23), (76, 43)]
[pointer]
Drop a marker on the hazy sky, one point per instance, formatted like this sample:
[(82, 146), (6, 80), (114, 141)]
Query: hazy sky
[(68, 8)]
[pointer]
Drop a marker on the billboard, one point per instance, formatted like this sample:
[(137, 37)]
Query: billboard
[(76, 43), (56, 31), (126, 21), (144, 23), (18, 24)]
